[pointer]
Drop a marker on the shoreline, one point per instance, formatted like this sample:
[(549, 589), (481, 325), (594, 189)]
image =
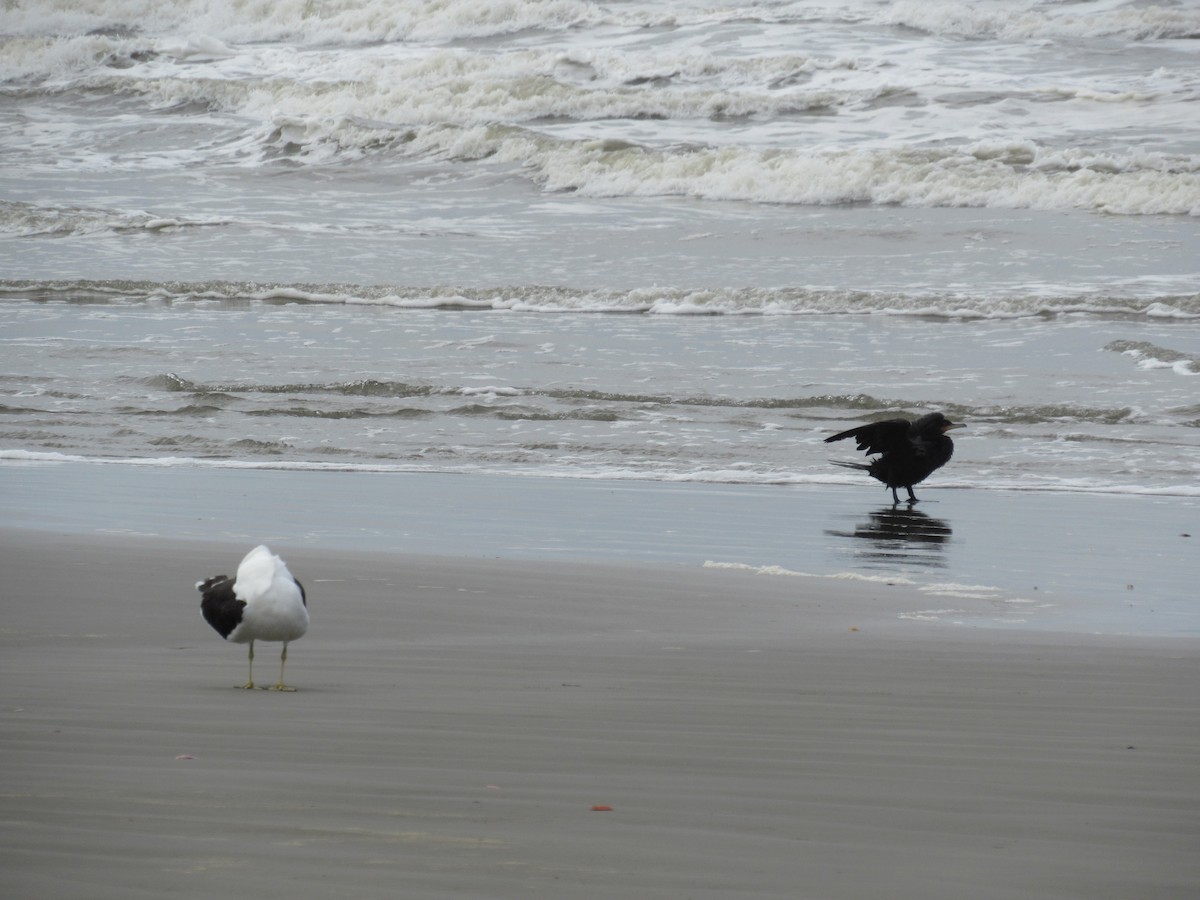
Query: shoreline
[(1052, 561), (458, 721)]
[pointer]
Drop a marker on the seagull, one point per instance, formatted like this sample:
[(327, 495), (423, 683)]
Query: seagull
[(263, 602), (909, 451)]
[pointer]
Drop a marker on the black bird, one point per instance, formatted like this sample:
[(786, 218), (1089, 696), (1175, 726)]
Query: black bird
[(909, 452)]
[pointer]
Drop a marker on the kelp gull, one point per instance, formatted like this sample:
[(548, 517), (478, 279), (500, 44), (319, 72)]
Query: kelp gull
[(263, 602)]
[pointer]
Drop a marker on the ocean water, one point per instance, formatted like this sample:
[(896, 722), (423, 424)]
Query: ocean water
[(563, 246), (670, 241)]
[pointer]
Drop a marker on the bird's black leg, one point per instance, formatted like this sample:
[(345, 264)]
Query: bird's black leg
[(895, 497), (912, 498)]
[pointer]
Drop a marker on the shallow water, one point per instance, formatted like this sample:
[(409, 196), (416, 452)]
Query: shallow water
[(1089, 403), (1069, 562)]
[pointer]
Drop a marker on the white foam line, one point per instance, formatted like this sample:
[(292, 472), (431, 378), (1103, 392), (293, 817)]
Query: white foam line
[(779, 570), (704, 477)]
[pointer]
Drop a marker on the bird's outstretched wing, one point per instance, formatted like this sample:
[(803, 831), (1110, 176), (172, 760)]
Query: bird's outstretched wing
[(878, 437)]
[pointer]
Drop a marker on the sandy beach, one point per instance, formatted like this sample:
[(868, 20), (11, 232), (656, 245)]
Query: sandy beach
[(513, 728)]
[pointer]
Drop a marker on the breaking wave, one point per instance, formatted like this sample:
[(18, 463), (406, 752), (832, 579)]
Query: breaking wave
[(640, 301)]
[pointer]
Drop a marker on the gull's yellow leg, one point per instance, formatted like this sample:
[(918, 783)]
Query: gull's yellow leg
[(249, 685), (282, 661)]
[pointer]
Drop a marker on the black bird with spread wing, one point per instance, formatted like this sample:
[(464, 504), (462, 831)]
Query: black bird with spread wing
[(909, 452)]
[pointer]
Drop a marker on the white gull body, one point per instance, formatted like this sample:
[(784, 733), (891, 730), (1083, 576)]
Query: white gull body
[(262, 602)]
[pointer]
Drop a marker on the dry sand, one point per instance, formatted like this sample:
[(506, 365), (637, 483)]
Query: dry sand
[(457, 721)]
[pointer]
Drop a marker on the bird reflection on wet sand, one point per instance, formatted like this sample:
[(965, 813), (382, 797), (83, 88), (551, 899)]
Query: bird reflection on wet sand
[(900, 535)]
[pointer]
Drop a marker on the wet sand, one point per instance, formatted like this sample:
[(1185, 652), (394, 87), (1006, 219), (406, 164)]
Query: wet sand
[(1115, 564), (457, 721)]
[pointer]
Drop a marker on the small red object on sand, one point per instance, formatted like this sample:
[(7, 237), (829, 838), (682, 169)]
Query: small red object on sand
[(185, 756), (601, 808)]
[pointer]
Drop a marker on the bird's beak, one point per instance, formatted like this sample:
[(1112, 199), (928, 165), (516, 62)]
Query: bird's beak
[(952, 426)]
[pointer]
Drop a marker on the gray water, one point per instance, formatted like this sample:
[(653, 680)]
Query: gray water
[(665, 243), (1085, 403)]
